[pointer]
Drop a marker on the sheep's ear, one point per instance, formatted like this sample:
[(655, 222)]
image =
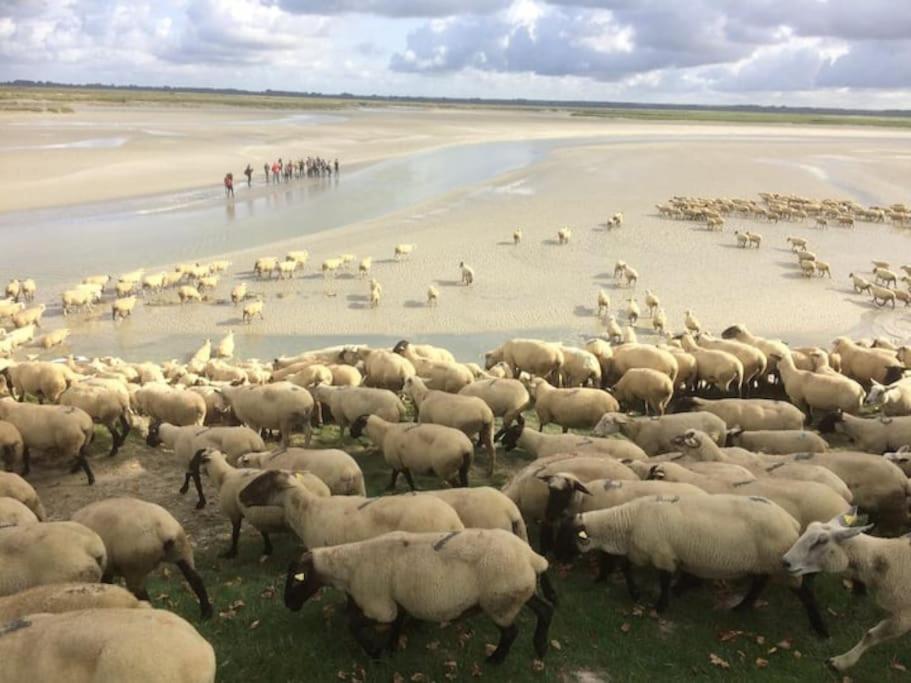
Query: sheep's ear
[(546, 478), (581, 488), (904, 449)]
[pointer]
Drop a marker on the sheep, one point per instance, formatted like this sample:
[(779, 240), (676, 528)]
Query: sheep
[(123, 289), (171, 279), (652, 302), (286, 269), (123, 308), (487, 568), (251, 310), (516, 236), (225, 346), (348, 403), (433, 296), (821, 223), (219, 266), (441, 375), (613, 329), (403, 251), (239, 293), (163, 403), (418, 448), (376, 294), (823, 269), (138, 536), (755, 239), (892, 399), (363, 268), (715, 367), (578, 408), (882, 294), (338, 470), (188, 293), (644, 384), (659, 321), (96, 645), (57, 598), (873, 435), (74, 298), (742, 239), (133, 276), (865, 365), (383, 369), (691, 322), (468, 414), (603, 303), (281, 405), (64, 429), (655, 435), (154, 282), (265, 266), (632, 311), (545, 445), (230, 481), (736, 535), (903, 296), (740, 333), (50, 552), (14, 513), (859, 283), (19, 336), (44, 380), (884, 276), (811, 391), (777, 442), (750, 414), (103, 404), (601, 350), (580, 368), (29, 316), (300, 257), (535, 357), (13, 289), (881, 564), (467, 273), (629, 356), (631, 275), (507, 398), (310, 375), (753, 359), (210, 282), (15, 487), (484, 507)]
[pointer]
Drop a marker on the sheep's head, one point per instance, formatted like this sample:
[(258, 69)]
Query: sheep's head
[(561, 490), (820, 548), (733, 332), (401, 347), (901, 458), (690, 439), (509, 436), (153, 438), (266, 489), (357, 427), (610, 423), (830, 422), (571, 538), (301, 583)]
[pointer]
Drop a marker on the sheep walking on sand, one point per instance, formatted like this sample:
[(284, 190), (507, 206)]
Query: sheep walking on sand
[(564, 235), (603, 302), (632, 311), (363, 269), (403, 251), (691, 322), (652, 302), (517, 236), (433, 296), (376, 292), (467, 273), (631, 275), (253, 309)]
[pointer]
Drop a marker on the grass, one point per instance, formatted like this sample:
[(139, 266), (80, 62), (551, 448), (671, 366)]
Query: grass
[(597, 632)]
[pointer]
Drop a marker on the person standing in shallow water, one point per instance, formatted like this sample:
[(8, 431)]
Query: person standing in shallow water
[(266, 171), (248, 171), (229, 185), (336, 167)]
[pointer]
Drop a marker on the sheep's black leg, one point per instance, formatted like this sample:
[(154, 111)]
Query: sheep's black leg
[(665, 597), (392, 640), (83, 463), (235, 537), (142, 594), (759, 583), (686, 582), (548, 588), (359, 625), (267, 543), (126, 427), (545, 537), (545, 613), (26, 462), (410, 480), (507, 636), (115, 441), (197, 481), (631, 587), (858, 587), (395, 478), (199, 588), (186, 483), (808, 598), (463, 471), (606, 565)]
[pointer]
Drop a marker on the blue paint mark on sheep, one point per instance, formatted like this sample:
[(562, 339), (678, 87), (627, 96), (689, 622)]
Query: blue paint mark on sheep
[(667, 499), (612, 484), (443, 541), (760, 499), (803, 456), (775, 467), (13, 626), (365, 504), (737, 484)]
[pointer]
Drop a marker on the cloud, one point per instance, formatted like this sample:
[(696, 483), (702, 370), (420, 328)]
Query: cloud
[(394, 8)]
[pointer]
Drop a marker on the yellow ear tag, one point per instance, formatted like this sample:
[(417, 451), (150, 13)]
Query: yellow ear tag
[(849, 519), (300, 577), (299, 476), (583, 535)]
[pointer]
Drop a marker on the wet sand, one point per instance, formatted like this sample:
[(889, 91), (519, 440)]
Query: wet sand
[(539, 288)]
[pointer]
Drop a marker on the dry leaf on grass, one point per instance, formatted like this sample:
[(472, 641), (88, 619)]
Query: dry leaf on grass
[(489, 649), (555, 644), (537, 665), (761, 663), (625, 627), (254, 624), (715, 660), (897, 665)]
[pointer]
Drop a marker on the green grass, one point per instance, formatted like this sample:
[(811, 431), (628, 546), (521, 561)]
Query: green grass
[(762, 117), (596, 628)]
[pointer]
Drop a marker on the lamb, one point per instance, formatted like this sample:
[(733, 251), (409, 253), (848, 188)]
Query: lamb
[(507, 398), (105, 405), (138, 536), (545, 445), (50, 552), (881, 564), (338, 470), (738, 536), (580, 368), (777, 442), (106, 645), (468, 414), (715, 367), (872, 435), (418, 448), (564, 235), (440, 375), (123, 308), (230, 481), (603, 303), (66, 430), (866, 365), (812, 391), (56, 598), (347, 404), (467, 273), (577, 408), (516, 236), (15, 487), (188, 293), (14, 513), (433, 296), (655, 435), (535, 357), (644, 384), (251, 310), (749, 414), (239, 293), (163, 403), (265, 266), (486, 568), (892, 399), (403, 251), (383, 369), (29, 316)]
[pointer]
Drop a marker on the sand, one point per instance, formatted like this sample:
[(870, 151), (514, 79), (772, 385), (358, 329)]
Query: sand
[(537, 288)]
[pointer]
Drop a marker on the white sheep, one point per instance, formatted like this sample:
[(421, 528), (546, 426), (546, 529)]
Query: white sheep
[(651, 387), (403, 251), (543, 445), (251, 310), (467, 273), (281, 405), (517, 236), (15, 487), (188, 293), (691, 322), (632, 311), (751, 414), (811, 391), (578, 408), (603, 303), (363, 268), (338, 470), (433, 296), (239, 293), (872, 435), (892, 399), (652, 302), (564, 235), (655, 434), (123, 308)]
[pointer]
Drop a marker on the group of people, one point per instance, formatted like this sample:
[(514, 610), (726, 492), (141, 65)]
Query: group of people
[(284, 171)]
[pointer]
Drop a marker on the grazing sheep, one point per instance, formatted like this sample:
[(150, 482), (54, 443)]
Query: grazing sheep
[(251, 310), (418, 448), (403, 251), (281, 405), (138, 536), (104, 646), (50, 552), (649, 386), (239, 293), (338, 470), (737, 536), (545, 445), (754, 239), (655, 435), (881, 564), (467, 273), (388, 577), (750, 414), (506, 397)]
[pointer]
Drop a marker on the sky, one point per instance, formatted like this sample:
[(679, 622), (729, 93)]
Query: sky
[(836, 53)]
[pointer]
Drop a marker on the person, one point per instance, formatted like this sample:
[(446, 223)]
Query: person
[(275, 170), (229, 185), (266, 171), (336, 167), (248, 171)]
